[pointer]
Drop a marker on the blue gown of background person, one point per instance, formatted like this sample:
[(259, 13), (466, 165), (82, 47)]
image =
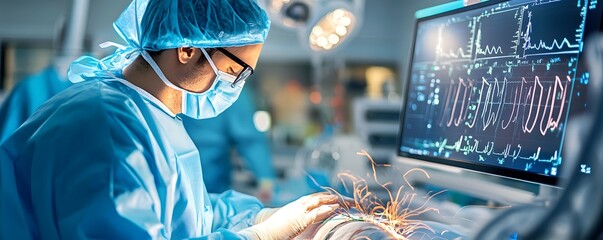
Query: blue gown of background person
[(215, 137), (27, 96), (124, 166)]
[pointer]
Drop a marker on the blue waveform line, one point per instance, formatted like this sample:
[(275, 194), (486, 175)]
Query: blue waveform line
[(459, 53), (468, 145), (489, 50), (443, 51), (553, 46)]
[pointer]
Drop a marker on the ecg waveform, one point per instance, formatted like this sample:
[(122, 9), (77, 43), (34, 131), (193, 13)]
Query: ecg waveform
[(554, 46), (469, 145), (459, 53), (489, 50), (498, 85), (466, 106), (515, 35), (458, 49)]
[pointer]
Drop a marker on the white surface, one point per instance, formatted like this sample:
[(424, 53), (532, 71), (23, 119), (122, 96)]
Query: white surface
[(76, 27), (468, 183)]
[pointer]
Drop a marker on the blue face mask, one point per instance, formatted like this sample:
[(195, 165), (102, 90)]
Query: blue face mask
[(220, 96)]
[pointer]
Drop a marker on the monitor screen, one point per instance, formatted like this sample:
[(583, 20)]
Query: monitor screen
[(491, 87)]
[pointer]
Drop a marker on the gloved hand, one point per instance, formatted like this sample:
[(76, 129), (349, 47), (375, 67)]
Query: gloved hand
[(264, 214), (290, 220)]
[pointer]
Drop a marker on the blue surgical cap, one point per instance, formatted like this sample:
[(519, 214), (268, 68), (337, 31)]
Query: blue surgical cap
[(166, 24), (154, 25)]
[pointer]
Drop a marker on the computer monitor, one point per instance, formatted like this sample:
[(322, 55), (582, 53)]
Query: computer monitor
[(491, 87)]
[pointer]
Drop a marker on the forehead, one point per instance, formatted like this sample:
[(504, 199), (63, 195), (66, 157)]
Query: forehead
[(246, 48), (248, 54)]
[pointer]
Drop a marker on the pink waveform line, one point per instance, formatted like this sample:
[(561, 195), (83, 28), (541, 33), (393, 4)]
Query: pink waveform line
[(479, 101), (448, 96), (460, 94), (494, 91), (456, 100), (468, 91), (462, 112), (532, 92), (516, 104), (550, 102), (459, 102), (551, 122)]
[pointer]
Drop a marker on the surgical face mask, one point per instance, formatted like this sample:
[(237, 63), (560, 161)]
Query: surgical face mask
[(221, 95)]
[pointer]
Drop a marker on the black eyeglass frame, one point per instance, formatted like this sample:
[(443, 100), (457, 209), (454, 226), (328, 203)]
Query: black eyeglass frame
[(247, 70)]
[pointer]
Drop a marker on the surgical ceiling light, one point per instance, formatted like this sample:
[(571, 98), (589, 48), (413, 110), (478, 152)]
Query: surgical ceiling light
[(322, 25), (331, 30)]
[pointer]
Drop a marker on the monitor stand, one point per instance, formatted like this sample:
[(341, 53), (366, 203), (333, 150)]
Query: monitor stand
[(479, 185)]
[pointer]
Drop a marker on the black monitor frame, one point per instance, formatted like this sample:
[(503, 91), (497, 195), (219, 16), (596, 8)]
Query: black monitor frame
[(472, 166)]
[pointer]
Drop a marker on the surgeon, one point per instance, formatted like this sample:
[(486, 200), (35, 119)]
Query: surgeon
[(109, 158), (233, 129)]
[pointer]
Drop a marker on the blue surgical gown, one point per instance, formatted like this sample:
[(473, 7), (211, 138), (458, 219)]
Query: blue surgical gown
[(27, 96), (233, 128), (104, 159)]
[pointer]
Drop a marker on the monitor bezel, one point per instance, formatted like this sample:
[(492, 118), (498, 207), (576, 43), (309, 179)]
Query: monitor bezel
[(472, 166)]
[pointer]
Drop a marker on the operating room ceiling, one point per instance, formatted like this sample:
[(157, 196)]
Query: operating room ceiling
[(385, 34)]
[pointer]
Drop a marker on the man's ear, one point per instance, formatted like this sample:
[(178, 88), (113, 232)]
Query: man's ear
[(185, 54)]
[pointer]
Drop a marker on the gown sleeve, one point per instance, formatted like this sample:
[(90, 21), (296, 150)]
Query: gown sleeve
[(234, 211)]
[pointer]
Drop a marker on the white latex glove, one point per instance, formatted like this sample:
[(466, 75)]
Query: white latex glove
[(264, 214), (292, 219)]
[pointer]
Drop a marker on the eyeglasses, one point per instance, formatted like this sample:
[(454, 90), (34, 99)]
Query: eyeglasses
[(247, 70)]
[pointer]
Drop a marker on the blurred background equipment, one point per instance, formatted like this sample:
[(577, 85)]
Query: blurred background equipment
[(35, 89), (376, 121)]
